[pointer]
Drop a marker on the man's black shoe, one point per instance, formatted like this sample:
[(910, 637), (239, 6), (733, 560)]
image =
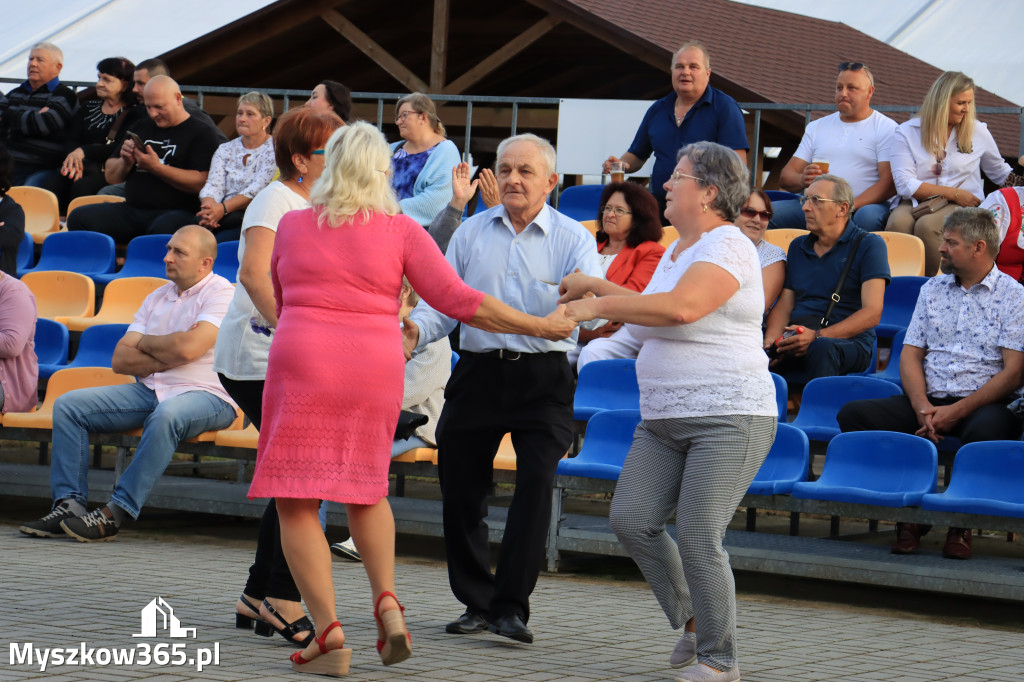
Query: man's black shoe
[(467, 624), (512, 627), (94, 527), (49, 525)]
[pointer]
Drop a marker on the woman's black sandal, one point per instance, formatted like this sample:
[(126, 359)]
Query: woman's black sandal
[(244, 622), (290, 630)]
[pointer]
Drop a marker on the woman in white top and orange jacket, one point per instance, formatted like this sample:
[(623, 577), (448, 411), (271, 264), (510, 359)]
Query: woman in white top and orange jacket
[(942, 152)]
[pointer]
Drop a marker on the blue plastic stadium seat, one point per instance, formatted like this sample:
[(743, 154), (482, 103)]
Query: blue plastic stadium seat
[(824, 396), (144, 258), (227, 260), (608, 439), (900, 299), (892, 370), (606, 385), (988, 478), (52, 339), (88, 253), (26, 253), (780, 195), (872, 363), (96, 347), (787, 463), (781, 395), (580, 202), (455, 360), (875, 467)]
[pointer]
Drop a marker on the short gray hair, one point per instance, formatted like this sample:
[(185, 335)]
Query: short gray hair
[(48, 47), (687, 45), (717, 165), (975, 225), (841, 191), (259, 101), (547, 151)]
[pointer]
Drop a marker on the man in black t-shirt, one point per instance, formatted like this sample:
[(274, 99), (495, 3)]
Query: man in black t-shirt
[(162, 177)]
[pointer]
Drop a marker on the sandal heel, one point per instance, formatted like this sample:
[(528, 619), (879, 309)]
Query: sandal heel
[(397, 640), (264, 629), (334, 663), (244, 622)]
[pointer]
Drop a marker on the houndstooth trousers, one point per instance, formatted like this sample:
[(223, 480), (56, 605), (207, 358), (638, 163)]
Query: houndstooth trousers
[(699, 468)]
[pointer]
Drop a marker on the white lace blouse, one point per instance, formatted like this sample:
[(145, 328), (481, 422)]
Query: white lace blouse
[(714, 366), (236, 170)]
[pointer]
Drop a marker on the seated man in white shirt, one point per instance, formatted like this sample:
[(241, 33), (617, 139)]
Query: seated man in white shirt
[(962, 359), (852, 143), (169, 347)]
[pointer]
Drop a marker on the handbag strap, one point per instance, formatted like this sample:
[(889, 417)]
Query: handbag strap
[(115, 127), (842, 278)]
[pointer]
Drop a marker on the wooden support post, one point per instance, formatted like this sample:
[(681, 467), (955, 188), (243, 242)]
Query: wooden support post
[(439, 45)]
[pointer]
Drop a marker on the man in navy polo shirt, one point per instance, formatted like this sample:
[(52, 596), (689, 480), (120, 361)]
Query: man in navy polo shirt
[(693, 112), (813, 267)]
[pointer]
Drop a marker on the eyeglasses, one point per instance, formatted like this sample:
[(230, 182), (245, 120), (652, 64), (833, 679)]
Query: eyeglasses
[(937, 166), (850, 66), (616, 211), (817, 201), (318, 152), (401, 116), (751, 213), (679, 175)]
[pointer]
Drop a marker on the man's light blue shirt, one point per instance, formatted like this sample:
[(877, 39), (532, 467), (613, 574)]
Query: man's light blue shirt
[(521, 270)]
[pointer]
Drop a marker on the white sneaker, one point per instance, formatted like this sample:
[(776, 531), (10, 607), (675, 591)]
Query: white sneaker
[(702, 673), (346, 550)]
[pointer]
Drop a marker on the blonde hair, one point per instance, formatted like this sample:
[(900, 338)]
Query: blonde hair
[(422, 104), (258, 101), (934, 114), (355, 178)]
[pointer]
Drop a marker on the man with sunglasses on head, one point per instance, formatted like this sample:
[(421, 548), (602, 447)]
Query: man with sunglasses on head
[(821, 339), (855, 142)]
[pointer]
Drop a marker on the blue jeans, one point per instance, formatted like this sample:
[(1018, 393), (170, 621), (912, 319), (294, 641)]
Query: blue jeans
[(397, 448), (112, 409), (790, 214)]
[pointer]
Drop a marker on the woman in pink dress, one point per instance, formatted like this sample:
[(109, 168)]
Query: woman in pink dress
[(334, 380)]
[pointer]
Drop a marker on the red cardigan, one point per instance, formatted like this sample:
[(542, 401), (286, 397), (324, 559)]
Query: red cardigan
[(634, 267)]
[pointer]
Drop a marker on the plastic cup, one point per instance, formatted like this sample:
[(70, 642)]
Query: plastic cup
[(618, 171)]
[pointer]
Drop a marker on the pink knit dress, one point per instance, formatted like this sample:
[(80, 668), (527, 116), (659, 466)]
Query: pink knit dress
[(334, 379)]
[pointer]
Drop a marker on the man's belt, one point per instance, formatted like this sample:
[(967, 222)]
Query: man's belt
[(503, 354)]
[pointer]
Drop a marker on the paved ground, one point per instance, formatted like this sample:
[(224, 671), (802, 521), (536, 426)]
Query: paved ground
[(59, 593)]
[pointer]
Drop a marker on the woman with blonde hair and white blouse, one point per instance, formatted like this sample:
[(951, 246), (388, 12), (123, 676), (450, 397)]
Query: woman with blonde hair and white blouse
[(240, 168), (941, 153)]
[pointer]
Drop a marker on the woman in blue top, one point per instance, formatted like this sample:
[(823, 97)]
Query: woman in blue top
[(423, 161)]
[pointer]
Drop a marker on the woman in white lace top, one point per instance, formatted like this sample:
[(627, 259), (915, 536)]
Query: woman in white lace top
[(240, 168), (706, 399)]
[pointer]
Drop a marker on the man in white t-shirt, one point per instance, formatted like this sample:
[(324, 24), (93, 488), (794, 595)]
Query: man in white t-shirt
[(854, 142)]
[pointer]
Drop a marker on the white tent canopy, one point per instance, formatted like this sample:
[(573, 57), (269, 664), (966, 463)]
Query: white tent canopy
[(90, 30), (978, 37)]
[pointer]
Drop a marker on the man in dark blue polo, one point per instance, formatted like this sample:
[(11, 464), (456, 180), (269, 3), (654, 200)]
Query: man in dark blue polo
[(693, 112), (813, 267)]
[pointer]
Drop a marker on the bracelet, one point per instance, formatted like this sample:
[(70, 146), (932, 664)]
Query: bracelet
[(225, 207), (956, 193)]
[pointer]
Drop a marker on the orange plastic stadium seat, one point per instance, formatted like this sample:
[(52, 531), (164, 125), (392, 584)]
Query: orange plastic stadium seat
[(590, 225), (61, 294), (906, 254), (783, 236), (42, 214), (417, 455), (241, 438), (670, 235), (506, 457), (121, 300), (93, 199), (61, 382)]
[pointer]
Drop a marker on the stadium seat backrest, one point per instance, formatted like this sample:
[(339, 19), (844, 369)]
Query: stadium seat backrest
[(788, 462), (61, 294), (96, 347), (52, 340), (591, 226), (783, 236), (42, 214), (61, 382), (781, 195), (781, 395), (122, 298), (26, 253), (898, 308), (580, 202), (606, 385), (824, 396), (892, 370), (989, 470), (92, 199), (906, 254), (84, 252), (668, 235), (607, 442), (227, 260), (143, 258), (881, 461)]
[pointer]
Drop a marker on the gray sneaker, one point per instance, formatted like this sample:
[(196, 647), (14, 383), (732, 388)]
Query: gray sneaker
[(702, 673), (685, 652), (94, 527), (49, 525)]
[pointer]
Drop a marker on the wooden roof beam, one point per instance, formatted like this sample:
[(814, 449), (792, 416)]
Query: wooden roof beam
[(439, 45), (501, 55), (371, 49)]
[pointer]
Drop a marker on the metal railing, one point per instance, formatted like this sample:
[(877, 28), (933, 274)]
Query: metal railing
[(756, 108)]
